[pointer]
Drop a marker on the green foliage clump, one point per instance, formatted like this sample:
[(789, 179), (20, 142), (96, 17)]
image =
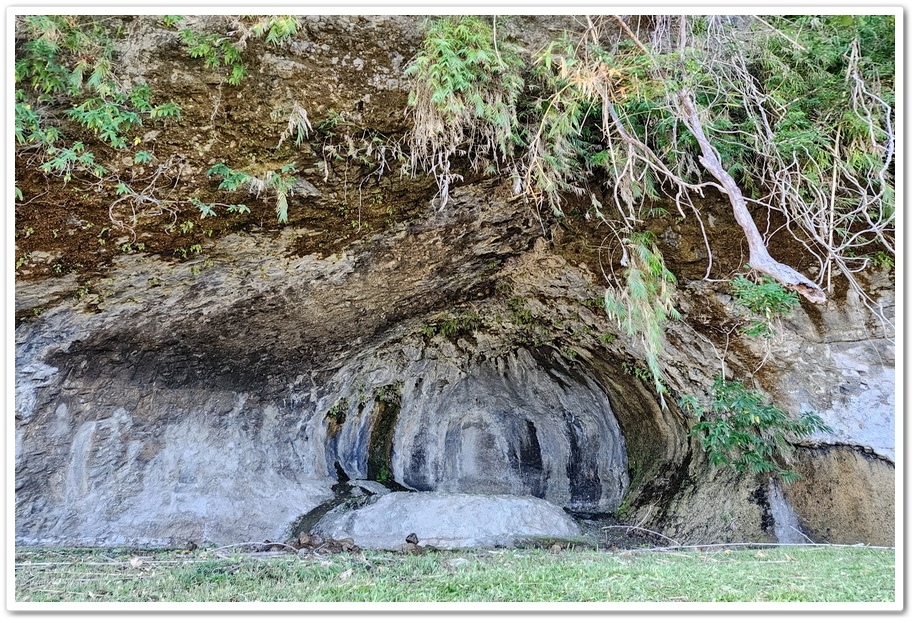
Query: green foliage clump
[(279, 28), (279, 183), (741, 431), (465, 87), (64, 160), (454, 325), (225, 49), (336, 416), (217, 51), (766, 299), (644, 302), (884, 260), (64, 70), (110, 117), (565, 144)]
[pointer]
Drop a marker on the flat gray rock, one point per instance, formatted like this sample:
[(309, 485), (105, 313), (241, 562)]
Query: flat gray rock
[(447, 521)]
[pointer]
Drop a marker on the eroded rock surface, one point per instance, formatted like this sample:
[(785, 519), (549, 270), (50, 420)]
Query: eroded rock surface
[(494, 418), (447, 521)]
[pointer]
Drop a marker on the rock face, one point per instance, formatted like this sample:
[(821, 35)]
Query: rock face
[(830, 510), (139, 424), (447, 521), (495, 418), (224, 405), (458, 353)]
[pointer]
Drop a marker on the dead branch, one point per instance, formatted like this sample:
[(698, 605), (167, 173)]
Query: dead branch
[(760, 258)]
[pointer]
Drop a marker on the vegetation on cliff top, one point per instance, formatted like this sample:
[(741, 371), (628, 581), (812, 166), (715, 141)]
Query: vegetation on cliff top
[(792, 114)]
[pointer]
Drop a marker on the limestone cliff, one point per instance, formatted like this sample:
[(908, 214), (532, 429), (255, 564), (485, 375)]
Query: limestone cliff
[(219, 394)]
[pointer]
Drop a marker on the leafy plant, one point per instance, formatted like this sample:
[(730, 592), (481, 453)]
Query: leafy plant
[(337, 415), (279, 183), (108, 118), (766, 299), (70, 58), (884, 260), (635, 370), (453, 325), (607, 338), (64, 71), (739, 430), (279, 28), (217, 51), (225, 50), (64, 161), (465, 87), (298, 124), (644, 301), (519, 312)]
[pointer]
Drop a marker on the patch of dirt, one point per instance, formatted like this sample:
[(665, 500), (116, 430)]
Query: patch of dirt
[(71, 228), (683, 241), (356, 101)]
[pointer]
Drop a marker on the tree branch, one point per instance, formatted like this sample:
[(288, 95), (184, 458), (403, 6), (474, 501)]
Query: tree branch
[(760, 258)]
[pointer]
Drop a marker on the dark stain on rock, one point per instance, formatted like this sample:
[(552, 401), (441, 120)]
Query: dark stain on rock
[(760, 498), (381, 433), (528, 462), (416, 475), (581, 466), (334, 420)]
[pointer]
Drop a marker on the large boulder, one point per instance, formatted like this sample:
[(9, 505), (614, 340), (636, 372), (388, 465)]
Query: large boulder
[(447, 521)]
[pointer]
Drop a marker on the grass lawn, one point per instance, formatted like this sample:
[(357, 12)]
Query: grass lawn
[(760, 575)]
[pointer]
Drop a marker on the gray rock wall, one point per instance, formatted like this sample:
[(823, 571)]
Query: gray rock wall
[(197, 408)]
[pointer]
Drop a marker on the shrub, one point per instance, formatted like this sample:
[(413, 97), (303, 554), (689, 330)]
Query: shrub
[(278, 183), (740, 431), (464, 94), (766, 299)]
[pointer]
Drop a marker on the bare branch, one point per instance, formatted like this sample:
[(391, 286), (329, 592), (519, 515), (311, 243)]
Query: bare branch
[(760, 258)]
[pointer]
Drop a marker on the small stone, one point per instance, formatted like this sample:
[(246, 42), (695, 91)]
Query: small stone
[(413, 549), (315, 541)]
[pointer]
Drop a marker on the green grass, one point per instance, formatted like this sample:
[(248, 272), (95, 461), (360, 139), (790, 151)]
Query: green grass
[(779, 574)]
